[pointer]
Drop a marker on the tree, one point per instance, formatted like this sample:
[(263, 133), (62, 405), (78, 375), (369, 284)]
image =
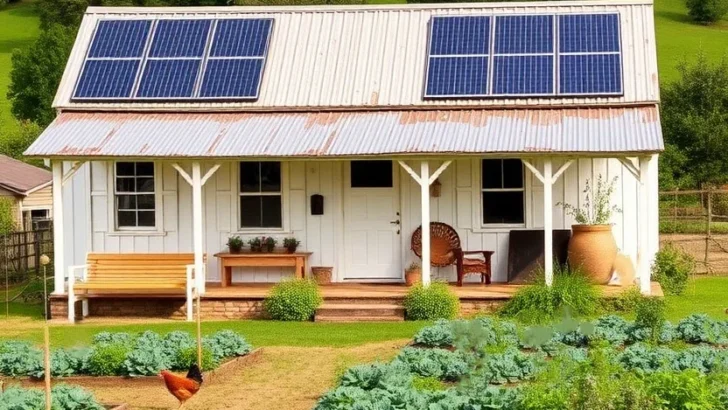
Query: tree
[(707, 11), (7, 219), (18, 139), (36, 73), (695, 120)]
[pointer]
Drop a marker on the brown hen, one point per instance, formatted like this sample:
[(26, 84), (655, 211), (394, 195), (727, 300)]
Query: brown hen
[(183, 388)]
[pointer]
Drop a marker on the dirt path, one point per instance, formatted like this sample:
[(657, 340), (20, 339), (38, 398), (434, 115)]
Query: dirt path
[(286, 378)]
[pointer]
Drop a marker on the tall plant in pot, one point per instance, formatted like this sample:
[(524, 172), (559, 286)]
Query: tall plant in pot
[(592, 247)]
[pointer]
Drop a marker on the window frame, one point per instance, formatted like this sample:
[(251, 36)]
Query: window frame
[(479, 224), (283, 193), (112, 193)]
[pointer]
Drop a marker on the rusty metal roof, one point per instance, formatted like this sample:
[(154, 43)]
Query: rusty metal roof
[(22, 178), (351, 133)]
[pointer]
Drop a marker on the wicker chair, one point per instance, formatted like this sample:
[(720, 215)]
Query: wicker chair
[(445, 250)]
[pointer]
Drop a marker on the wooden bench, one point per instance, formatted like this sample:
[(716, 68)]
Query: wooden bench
[(111, 275)]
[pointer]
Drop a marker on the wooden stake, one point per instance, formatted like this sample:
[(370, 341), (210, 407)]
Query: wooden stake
[(199, 333), (47, 363), (7, 284)]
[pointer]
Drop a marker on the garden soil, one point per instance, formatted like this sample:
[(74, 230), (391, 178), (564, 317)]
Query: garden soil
[(285, 378), (695, 244)]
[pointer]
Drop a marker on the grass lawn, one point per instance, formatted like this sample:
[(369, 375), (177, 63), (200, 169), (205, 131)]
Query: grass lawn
[(692, 227), (705, 294), (18, 28)]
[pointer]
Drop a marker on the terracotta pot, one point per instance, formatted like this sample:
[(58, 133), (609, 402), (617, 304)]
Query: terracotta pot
[(322, 274), (592, 250), (412, 277)]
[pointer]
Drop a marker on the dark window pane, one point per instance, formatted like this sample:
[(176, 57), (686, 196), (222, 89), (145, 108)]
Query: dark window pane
[(492, 174), (145, 185), (270, 176), (145, 169), (124, 184), (250, 212), (126, 218), (146, 218), (250, 177), (272, 212), (126, 202), (502, 207), (512, 173), (371, 174), (145, 201), (125, 168)]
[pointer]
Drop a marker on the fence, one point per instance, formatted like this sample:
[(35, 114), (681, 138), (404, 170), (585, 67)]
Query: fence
[(697, 221), (20, 253)]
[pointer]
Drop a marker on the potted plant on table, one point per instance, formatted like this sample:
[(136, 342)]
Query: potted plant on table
[(269, 243), (235, 244), (291, 244), (592, 248), (413, 274), (255, 245)]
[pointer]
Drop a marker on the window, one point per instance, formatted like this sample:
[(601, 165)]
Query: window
[(134, 196), (502, 191), (260, 195), (371, 174)]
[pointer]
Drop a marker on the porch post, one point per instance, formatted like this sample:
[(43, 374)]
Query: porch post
[(643, 236), (58, 248), (425, 209), (197, 225), (548, 222)]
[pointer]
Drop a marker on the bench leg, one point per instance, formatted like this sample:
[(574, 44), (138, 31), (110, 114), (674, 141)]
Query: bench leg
[(71, 308), (84, 307)]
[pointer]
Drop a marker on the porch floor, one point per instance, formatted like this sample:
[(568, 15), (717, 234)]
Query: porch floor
[(469, 291)]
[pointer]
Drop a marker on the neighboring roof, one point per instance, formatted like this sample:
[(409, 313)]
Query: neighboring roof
[(22, 178), (342, 134), (371, 56)]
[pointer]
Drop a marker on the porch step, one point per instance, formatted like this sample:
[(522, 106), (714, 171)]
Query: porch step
[(359, 312), (364, 301)]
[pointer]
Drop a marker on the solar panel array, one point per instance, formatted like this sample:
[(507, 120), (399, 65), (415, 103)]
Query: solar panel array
[(524, 55), (175, 60)]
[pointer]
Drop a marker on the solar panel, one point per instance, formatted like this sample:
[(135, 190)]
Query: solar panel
[(458, 56), (523, 55), (167, 59), (589, 54), (113, 59), (237, 56)]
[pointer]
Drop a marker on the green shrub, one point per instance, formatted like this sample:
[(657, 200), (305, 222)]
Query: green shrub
[(626, 301), (7, 215), (707, 11), (672, 267), (650, 314), (436, 301), (108, 359), (682, 390), (293, 300), (571, 293), (64, 397), (186, 356)]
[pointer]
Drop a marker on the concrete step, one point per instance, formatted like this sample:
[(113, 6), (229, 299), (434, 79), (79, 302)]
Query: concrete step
[(359, 318), (360, 310)]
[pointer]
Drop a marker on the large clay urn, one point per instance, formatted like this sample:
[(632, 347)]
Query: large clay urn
[(592, 250)]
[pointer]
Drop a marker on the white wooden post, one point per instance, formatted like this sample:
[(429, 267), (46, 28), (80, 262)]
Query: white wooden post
[(425, 206), (197, 225), (58, 248), (643, 236), (548, 252)]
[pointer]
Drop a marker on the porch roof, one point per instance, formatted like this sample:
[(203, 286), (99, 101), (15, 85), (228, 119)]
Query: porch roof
[(590, 131)]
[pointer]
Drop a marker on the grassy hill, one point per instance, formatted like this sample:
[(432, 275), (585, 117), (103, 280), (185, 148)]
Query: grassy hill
[(677, 39)]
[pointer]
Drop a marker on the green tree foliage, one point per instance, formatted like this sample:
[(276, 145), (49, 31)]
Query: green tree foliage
[(67, 13), (707, 11), (7, 219), (36, 72), (15, 140), (695, 122)]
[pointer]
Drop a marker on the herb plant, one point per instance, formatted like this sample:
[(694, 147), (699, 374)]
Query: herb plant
[(597, 208)]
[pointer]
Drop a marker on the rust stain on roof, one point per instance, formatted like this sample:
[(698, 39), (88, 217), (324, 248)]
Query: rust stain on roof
[(217, 139), (322, 118), (375, 98), (649, 115), (467, 117)]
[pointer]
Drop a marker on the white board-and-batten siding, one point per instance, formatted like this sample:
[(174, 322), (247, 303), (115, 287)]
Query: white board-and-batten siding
[(89, 219)]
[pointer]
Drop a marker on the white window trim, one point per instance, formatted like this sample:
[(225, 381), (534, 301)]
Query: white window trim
[(114, 229), (477, 200), (285, 205)]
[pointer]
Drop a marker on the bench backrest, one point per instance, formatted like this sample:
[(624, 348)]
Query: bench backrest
[(139, 266)]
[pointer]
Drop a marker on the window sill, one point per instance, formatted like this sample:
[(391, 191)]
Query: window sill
[(498, 228), (262, 231), (140, 232)]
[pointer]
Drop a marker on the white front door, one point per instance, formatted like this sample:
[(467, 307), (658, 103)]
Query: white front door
[(372, 221)]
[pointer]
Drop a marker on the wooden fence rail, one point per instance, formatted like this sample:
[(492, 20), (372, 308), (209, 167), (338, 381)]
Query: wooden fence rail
[(20, 253)]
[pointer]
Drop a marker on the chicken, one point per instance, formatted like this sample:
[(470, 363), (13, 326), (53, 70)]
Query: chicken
[(183, 387)]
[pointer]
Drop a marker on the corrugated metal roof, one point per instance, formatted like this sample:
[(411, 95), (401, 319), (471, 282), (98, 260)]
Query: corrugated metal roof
[(19, 177), (351, 133), (324, 57)]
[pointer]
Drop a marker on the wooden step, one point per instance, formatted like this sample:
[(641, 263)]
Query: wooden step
[(340, 312), (363, 301)]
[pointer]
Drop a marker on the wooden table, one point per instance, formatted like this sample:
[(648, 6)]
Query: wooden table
[(297, 260)]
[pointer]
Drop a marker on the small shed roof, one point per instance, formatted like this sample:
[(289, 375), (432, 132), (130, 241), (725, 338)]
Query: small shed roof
[(352, 133), (22, 178)]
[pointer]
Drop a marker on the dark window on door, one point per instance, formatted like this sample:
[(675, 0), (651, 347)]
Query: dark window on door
[(371, 174), (502, 191), (260, 195)]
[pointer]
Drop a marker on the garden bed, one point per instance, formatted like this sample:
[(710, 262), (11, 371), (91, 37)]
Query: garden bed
[(608, 363)]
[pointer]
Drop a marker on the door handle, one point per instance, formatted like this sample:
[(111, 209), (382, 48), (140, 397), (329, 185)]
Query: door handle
[(394, 222)]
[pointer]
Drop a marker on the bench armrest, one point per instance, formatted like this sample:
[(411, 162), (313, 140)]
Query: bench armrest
[(72, 273)]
